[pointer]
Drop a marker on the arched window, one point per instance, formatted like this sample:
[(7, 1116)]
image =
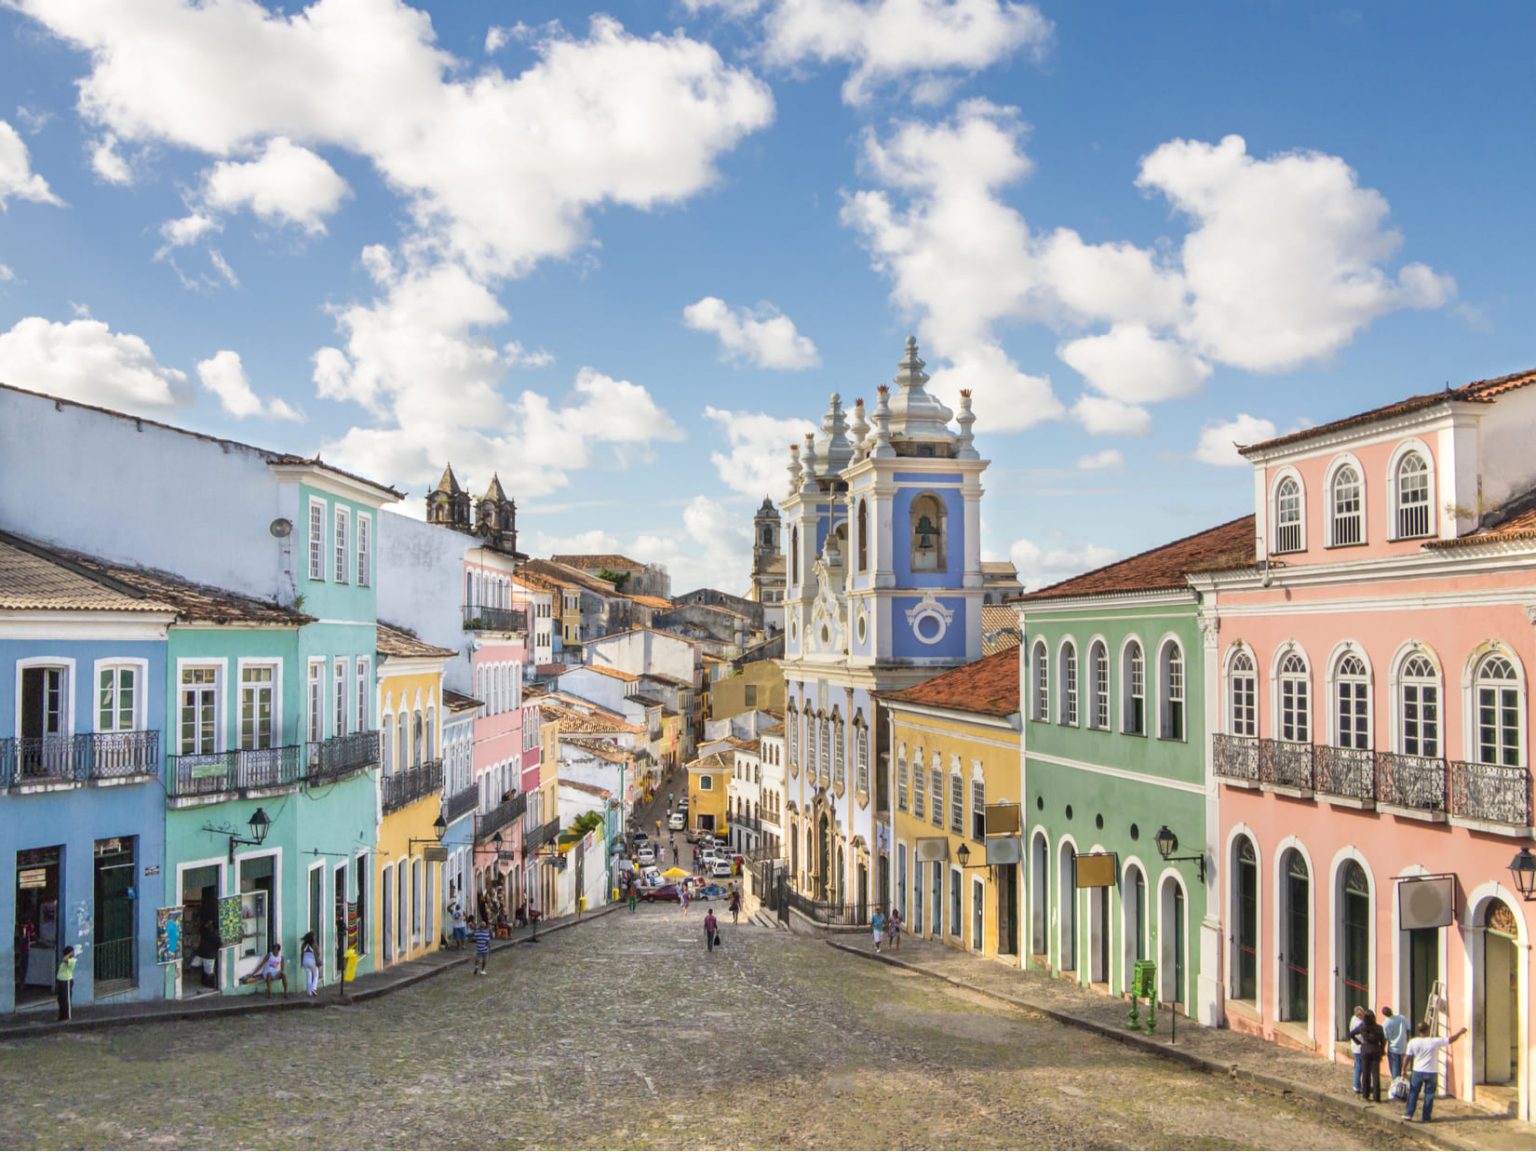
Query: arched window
[(1352, 703), (1098, 686), (862, 543), (1418, 707), (936, 779), (1288, 515), (431, 747), (1497, 693), (978, 807), (861, 753), (418, 731), (927, 533), (794, 555), (1171, 681), (1412, 488), (956, 800), (792, 737), (1346, 513), (901, 779), (919, 785), (1133, 679), (824, 726), (1296, 937), (1355, 942), (1295, 699), (1042, 682), (403, 744), (838, 738), (1068, 683), (386, 742), (1245, 911), (1242, 691), (767, 537)]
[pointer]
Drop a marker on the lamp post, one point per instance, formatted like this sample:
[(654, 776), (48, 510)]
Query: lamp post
[(1522, 869), (963, 854), (1167, 844), (260, 826)]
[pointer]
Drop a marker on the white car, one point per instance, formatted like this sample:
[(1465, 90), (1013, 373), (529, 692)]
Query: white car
[(720, 866), (677, 822), (646, 856)]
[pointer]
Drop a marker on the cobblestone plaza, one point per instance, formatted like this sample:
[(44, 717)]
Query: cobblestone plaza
[(625, 1032)]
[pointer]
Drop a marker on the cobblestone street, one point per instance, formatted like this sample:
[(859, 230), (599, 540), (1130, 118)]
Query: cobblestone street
[(625, 1032)]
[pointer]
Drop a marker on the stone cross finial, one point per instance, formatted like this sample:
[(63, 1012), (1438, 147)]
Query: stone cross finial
[(882, 449), (808, 459), (794, 470), (859, 429), (966, 440)]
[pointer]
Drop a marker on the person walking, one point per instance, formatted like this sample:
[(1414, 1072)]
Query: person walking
[(1397, 1028), (1373, 1045), (669, 802), (460, 925), (1354, 1043), (341, 952), (634, 895), (711, 930), (64, 982), (309, 960), (877, 924), (1422, 1051), (682, 894), (734, 904), (482, 946), (893, 928)]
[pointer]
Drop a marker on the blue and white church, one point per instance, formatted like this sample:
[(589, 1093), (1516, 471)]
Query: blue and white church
[(883, 590)]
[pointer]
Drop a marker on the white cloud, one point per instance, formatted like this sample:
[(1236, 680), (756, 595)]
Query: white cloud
[(108, 163), (1101, 461), (6, 275), (591, 542), (286, 184), (187, 229), (1130, 365), (734, 8), (496, 38), (759, 451), (1285, 259), (897, 41), (1101, 416), (224, 375), (16, 176), (1039, 566), (34, 120), (764, 337), (1006, 398), (85, 360), (1218, 442), (516, 356)]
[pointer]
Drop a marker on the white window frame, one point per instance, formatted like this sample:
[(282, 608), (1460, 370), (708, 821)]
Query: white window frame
[(1165, 691), (1408, 690), (342, 543), (276, 688), (956, 799), (936, 790), (1098, 684), (339, 696), (1292, 695), (1412, 447), (364, 677), (1362, 689), (364, 550), (66, 665), (1066, 659), (1475, 684), (317, 549), (1041, 689), (1242, 693), (1280, 545), (220, 680), (1129, 678), (140, 670), (919, 786), (1331, 495)]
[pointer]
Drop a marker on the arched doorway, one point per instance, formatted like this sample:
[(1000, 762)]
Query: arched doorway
[(823, 854), (1498, 997), (1354, 946), (1066, 900), (1245, 921), (1133, 922), (1098, 935), (1295, 938), (1039, 896), (1173, 943)]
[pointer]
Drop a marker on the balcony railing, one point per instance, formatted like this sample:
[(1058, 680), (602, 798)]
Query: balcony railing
[(541, 835), (1348, 772), (751, 822), (1236, 757), (411, 785), (341, 756), (1406, 781), (461, 803), (478, 618), (1285, 763), (72, 759), (1491, 792), (487, 824), (240, 770)]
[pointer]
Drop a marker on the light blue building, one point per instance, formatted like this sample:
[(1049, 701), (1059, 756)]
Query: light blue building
[(883, 589), (82, 810)]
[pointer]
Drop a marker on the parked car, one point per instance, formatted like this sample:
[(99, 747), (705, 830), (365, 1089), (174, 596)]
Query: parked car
[(660, 892), (721, 866), (646, 856), (677, 821)]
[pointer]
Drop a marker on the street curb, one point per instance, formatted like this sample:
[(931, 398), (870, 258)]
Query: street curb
[(1327, 1101), (244, 1007)]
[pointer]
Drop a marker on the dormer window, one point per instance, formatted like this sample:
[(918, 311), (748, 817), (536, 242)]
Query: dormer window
[(927, 534), (1346, 518), (1412, 484), (1288, 515)]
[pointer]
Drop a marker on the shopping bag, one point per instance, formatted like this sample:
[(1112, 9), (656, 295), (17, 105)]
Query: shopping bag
[(1399, 1088), (717, 939)]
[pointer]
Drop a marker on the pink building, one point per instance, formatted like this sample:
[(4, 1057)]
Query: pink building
[(1372, 732)]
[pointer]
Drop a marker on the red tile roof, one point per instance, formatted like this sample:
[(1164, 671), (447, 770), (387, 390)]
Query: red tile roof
[(999, 628), (1515, 520), (990, 687), (403, 644), (458, 702), (609, 560), (1477, 392), (1228, 545)]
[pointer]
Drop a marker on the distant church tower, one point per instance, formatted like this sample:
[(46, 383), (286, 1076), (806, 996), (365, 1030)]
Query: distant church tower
[(448, 503), (768, 566)]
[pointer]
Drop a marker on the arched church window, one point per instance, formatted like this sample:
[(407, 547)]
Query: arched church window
[(863, 533), (927, 534)]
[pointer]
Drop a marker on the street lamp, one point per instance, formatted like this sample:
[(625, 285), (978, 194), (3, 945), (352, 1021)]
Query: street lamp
[(1523, 869), (439, 830), (1167, 844), (260, 826), (963, 854)]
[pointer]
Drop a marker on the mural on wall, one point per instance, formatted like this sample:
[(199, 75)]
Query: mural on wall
[(231, 924), (167, 935), (83, 926)]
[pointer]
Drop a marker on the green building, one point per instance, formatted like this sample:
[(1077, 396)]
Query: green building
[(1114, 761)]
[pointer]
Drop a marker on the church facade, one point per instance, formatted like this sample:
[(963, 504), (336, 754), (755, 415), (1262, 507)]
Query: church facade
[(883, 590)]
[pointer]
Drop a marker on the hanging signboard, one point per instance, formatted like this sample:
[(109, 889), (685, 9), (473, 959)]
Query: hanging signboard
[(1426, 902), (1095, 870), (931, 848), (1002, 820), (435, 854), (1004, 850)]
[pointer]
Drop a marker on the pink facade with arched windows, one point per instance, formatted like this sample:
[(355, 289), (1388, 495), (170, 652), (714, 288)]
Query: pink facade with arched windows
[(1372, 733)]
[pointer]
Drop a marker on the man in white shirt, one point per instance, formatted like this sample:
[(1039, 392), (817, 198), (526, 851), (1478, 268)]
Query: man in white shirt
[(1423, 1050), (1397, 1028)]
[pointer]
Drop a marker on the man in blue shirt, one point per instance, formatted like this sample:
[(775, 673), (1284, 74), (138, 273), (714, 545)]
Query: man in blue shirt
[(1395, 1025), (877, 923), (482, 946)]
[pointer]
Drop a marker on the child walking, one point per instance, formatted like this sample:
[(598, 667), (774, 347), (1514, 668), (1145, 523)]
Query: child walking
[(482, 946)]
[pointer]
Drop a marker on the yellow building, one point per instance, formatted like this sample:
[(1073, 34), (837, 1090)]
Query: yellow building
[(957, 778), (708, 778), (755, 686), (410, 708)]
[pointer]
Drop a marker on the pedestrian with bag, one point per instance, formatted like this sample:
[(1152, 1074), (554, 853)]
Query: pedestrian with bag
[(711, 930), (64, 982), (1373, 1045), (877, 924), (734, 904), (893, 929), (1354, 1043), (309, 960), (1397, 1028), (1422, 1052)]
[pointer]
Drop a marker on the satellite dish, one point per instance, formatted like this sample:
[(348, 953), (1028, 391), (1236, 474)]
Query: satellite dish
[(280, 528)]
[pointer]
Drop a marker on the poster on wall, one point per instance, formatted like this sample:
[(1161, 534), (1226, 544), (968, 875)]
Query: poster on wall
[(352, 926), (231, 926), (167, 935)]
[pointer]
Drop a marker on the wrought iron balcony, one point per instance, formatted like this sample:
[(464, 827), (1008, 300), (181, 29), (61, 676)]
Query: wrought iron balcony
[(1491, 792), (1285, 763), (407, 787), (73, 759), (461, 803), (1236, 757), (341, 756), (239, 770), (541, 835), (1348, 772), (1410, 781), (478, 618), (487, 824)]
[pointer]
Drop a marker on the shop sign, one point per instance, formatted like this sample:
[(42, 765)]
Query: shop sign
[(1095, 870), (435, 854), (109, 847), (32, 878), (152, 870)]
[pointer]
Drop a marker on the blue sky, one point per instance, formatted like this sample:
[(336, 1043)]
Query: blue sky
[(615, 254)]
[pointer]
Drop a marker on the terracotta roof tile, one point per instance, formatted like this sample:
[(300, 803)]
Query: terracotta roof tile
[(603, 750), (31, 579), (569, 577), (458, 702), (1477, 392), (999, 628), (604, 670), (1515, 520), (989, 686), (609, 560), (399, 642), (715, 760), (1228, 545), (659, 602)]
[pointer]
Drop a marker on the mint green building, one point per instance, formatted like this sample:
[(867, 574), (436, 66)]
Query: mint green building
[(1114, 761)]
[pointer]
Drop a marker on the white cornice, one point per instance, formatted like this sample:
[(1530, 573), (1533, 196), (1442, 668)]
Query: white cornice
[(1496, 556), (1007, 723), (1422, 420), (85, 626), (1158, 598), (1116, 773)]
